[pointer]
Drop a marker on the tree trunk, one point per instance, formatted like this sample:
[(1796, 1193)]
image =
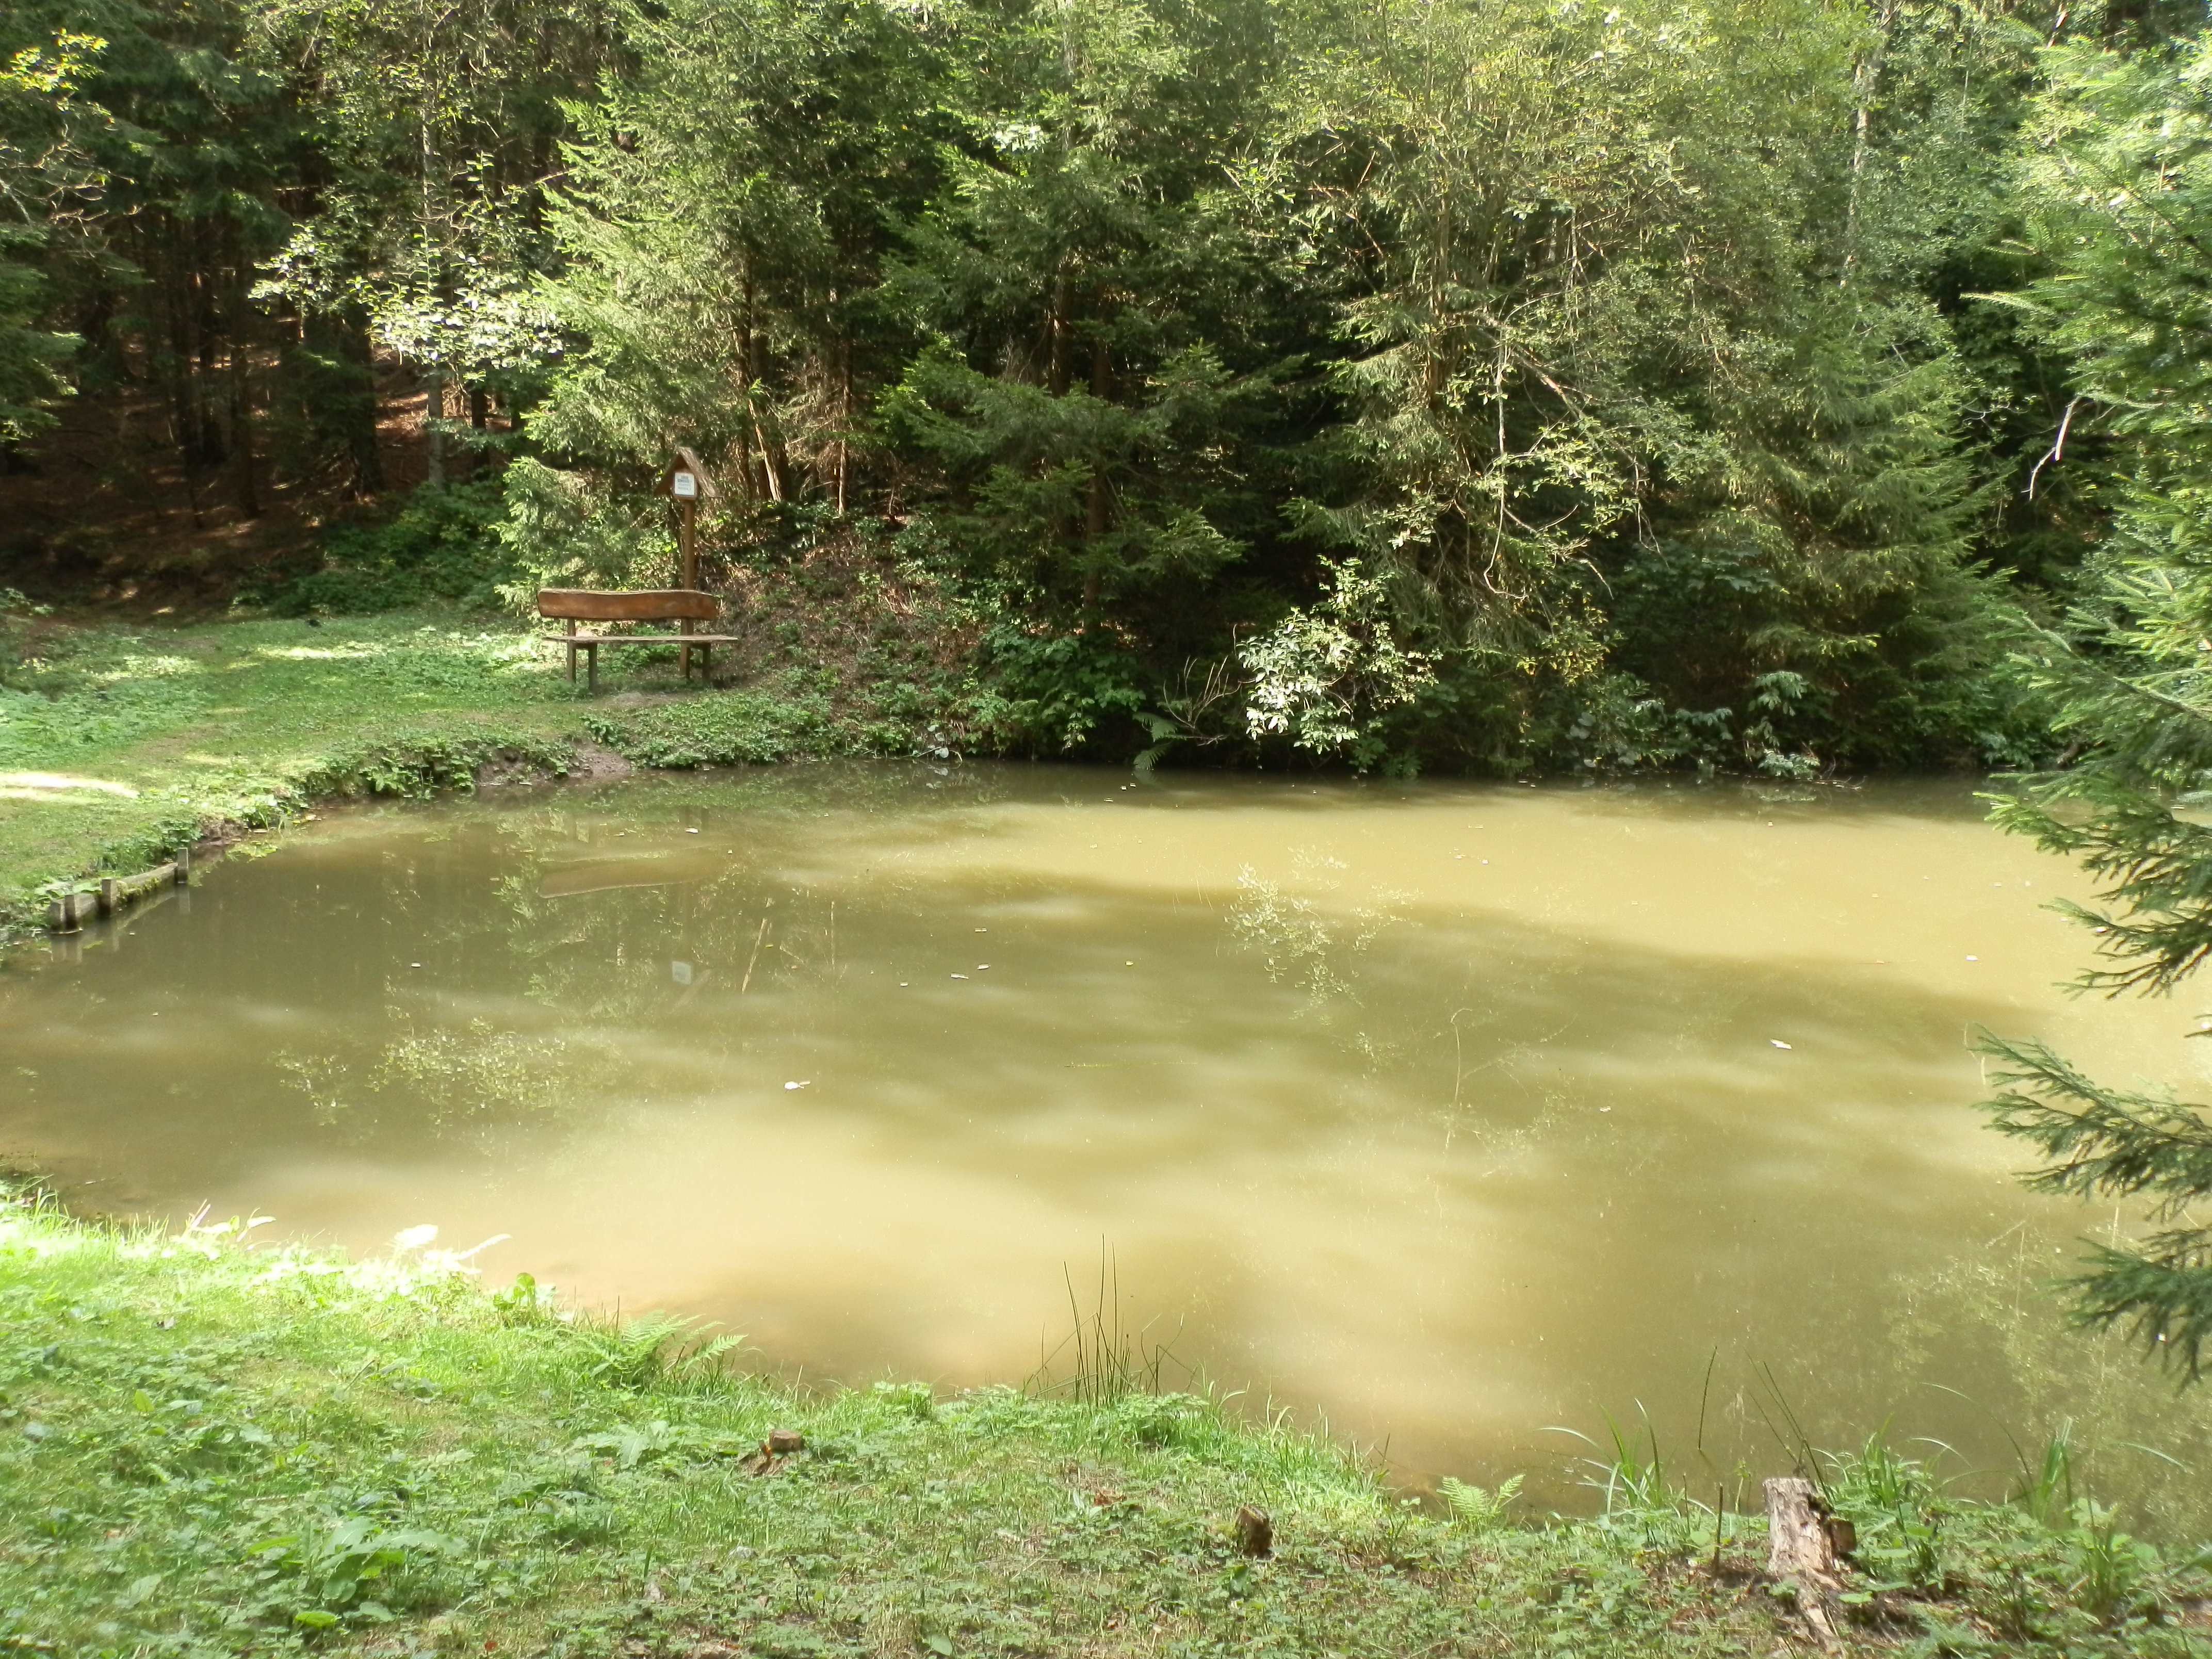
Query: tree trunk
[(434, 435), (1094, 518), (1801, 1553), (771, 453), (1058, 343), (241, 429), (747, 484), (844, 421), (1866, 79), (356, 416)]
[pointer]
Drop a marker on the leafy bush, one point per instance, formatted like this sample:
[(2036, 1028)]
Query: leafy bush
[(417, 765), (569, 529), (1322, 676), (1054, 691), (438, 548)]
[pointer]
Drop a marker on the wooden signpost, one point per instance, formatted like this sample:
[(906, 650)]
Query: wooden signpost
[(687, 484)]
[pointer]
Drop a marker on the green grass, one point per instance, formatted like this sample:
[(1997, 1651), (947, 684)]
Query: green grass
[(116, 745), (206, 1449), (119, 744)]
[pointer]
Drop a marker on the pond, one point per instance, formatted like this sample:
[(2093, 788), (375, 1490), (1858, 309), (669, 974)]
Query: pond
[(1448, 1115)]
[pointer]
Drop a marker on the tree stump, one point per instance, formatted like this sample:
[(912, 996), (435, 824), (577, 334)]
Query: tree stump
[(780, 1444), (1256, 1533), (1801, 1553)]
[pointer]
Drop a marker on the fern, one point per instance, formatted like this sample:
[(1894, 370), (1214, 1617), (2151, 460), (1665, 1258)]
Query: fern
[(651, 1347), (1476, 1508)]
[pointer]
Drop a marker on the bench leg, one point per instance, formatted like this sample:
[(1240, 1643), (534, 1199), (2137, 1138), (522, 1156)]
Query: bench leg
[(707, 666), (592, 670), (572, 665)]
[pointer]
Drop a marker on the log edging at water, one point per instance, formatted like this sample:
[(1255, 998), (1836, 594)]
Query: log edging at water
[(69, 913)]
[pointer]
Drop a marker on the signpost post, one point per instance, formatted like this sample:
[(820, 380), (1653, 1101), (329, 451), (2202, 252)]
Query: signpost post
[(685, 482)]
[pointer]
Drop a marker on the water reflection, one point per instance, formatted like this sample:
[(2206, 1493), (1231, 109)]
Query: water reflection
[(1451, 1112)]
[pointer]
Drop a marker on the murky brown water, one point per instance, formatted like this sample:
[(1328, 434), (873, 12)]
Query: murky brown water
[(1450, 1112)]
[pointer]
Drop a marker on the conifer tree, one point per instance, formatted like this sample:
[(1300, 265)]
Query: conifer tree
[(2118, 169)]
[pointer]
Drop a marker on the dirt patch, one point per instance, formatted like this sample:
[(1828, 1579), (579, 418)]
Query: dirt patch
[(594, 764), (627, 700), (597, 763)]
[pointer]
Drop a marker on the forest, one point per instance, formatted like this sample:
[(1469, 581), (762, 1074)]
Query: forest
[(1467, 385)]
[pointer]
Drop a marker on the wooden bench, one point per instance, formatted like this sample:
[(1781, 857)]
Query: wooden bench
[(682, 605)]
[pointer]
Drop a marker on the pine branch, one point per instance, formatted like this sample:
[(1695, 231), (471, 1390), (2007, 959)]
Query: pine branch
[(2156, 868), (2161, 1291), (2103, 1143)]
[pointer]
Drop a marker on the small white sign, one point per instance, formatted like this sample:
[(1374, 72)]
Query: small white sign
[(680, 972), (685, 484)]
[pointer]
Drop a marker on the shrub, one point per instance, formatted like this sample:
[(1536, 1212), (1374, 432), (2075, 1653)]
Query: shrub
[(438, 548)]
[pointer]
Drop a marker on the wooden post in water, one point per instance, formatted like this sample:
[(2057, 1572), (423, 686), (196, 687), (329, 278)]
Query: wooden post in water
[(110, 896), (184, 865)]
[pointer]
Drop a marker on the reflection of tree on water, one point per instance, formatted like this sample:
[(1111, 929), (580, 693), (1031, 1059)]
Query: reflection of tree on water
[(1325, 955), (602, 930), (461, 1082), (1296, 942), (1473, 1114), (1980, 1371)]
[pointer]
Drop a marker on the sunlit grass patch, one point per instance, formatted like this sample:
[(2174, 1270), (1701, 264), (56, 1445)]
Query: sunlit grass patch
[(236, 722), (43, 786)]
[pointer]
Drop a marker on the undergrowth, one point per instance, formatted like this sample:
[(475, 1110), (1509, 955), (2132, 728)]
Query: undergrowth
[(437, 546), (753, 728), (210, 1448), (420, 764)]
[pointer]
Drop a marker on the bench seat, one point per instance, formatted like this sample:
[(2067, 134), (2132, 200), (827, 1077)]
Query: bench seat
[(646, 639), (589, 644), (682, 605)]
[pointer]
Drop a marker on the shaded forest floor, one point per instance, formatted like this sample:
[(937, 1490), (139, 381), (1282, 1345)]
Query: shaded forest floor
[(99, 517), (206, 1449)]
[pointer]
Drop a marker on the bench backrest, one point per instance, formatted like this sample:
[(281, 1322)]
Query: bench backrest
[(644, 604)]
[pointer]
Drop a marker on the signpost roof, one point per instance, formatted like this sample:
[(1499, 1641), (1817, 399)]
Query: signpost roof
[(686, 461)]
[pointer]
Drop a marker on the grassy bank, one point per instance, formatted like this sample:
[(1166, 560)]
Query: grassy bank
[(119, 744), (116, 744), (206, 1449)]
